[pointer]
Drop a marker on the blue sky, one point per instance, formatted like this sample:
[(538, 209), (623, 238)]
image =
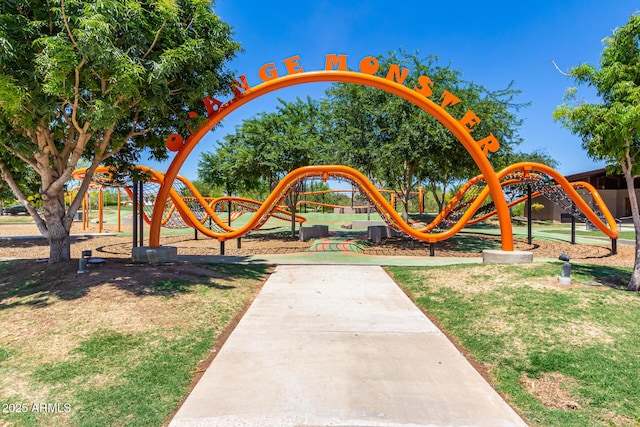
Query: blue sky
[(492, 43)]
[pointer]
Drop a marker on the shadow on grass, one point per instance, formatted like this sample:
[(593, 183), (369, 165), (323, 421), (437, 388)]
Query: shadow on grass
[(615, 277), (39, 284)]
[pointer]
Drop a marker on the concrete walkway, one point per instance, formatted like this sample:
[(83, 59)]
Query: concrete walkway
[(339, 345)]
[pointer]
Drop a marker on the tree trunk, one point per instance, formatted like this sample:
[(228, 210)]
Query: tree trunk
[(57, 228), (59, 243), (634, 283)]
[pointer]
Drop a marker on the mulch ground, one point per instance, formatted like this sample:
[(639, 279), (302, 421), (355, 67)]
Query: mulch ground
[(108, 246)]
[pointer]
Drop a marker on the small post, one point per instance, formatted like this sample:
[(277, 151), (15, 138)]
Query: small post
[(565, 277), (100, 208), (573, 223), (239, 242), (134, 199), (529, 211), (195, 234), (119, 212), (221, 247), (432, 249), (614, 246)]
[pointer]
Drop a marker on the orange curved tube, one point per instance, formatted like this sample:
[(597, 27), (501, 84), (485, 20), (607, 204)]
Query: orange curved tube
[(253, 205), (610, 228), (460, 131), (379, 201), (271, 206), (178, 203)]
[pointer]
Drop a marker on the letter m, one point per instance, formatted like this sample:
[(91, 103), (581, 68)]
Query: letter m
[(334, 61)]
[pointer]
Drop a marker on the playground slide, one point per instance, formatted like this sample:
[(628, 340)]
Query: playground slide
[(194, 210)]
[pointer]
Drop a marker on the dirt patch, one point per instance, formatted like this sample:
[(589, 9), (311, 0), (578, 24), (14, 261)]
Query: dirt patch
[(553, 390), (591, 253)]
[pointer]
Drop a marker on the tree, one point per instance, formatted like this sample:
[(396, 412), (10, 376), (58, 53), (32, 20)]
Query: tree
[(400, 144), (610, 129), (101, 80)]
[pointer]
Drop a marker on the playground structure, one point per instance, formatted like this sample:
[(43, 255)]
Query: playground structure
[(490, 200), (187, 207), (522, 182), (355, 208)]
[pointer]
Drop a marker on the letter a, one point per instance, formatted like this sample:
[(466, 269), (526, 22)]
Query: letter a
[(212, 105)]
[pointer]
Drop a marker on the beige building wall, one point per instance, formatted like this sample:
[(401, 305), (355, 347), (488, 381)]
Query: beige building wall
[(616, 200)]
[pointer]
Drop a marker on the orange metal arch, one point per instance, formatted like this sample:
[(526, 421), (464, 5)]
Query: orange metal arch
[(438, 112)]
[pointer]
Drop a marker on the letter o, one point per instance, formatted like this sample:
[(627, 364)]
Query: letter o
[(369, 65), (174, 142)]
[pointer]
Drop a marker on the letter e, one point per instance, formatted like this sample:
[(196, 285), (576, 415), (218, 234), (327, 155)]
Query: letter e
[(469, 120), (293, 65)]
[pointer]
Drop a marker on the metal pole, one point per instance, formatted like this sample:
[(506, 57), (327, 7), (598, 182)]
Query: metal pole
[(221, 247), (119, 212), (239, 242), (432, 249), (134, 198), (529, 211), (573, 224), (141, 213), (100, 209), (614, 246)]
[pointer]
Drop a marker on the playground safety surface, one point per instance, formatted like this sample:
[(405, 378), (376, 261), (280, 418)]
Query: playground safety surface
[(342, 346)]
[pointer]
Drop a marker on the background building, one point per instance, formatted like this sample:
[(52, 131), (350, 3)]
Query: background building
[(612, 189)]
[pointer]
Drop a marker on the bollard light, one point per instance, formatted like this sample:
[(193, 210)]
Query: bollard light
[(565, 277), (83, 262)]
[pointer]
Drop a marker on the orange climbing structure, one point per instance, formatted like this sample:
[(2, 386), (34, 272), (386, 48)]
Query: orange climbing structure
[(291, 72), (464, 208), (186, 206)]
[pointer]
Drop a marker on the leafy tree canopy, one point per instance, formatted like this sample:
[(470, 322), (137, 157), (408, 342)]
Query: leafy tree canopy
[(610, 129), (100, 80)]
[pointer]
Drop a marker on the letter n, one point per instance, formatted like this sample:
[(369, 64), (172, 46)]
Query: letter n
[(240, 86), (396, 75)]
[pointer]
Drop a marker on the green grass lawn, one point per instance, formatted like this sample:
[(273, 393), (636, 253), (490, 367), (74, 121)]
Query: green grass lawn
[(562, 355), (111, 351)]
